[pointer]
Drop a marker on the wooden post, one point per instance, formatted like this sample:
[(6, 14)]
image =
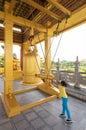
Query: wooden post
[(77, 75)]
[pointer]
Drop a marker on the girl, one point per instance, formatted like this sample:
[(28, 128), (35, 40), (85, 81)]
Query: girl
[(64, 97)]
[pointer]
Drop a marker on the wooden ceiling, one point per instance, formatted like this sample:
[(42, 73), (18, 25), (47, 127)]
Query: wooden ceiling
[(42, 14)]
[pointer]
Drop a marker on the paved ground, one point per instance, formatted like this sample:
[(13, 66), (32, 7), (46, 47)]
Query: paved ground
[(43, 117)]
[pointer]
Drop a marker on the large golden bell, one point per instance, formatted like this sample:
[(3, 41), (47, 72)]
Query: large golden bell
[(31, 67)]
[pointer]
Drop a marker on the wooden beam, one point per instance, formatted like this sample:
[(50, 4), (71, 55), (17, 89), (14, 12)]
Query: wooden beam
[(30, 13), (11, 6), (80, 8), (59, 6), (36, 103), (41, 14), (42, 9), (23, 22), (39, 38), (76, 19), (2, 15)]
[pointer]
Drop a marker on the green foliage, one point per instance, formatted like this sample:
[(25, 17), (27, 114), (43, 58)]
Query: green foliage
[(83, 66), (69, 65), (1, 61)]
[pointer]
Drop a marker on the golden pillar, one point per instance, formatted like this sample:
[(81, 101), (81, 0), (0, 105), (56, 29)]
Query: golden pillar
[(47, 51), (47, 85), (8, 98), (8, 52), (8, 57)]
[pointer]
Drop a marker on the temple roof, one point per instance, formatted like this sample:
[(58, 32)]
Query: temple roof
[(45, 13)]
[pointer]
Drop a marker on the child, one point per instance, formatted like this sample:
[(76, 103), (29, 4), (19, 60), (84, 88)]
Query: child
[(63, 95)]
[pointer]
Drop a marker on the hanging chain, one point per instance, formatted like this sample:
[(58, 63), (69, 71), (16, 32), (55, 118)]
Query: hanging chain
[(58, 43)]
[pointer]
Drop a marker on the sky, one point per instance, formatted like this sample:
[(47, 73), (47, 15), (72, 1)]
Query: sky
[(72, 44)]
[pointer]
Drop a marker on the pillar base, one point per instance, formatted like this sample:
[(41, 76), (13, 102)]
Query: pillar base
[(13, 108), (10, 104), (49, 88)]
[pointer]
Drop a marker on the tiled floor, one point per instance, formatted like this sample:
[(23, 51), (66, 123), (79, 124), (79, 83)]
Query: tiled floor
[(42, 117)]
